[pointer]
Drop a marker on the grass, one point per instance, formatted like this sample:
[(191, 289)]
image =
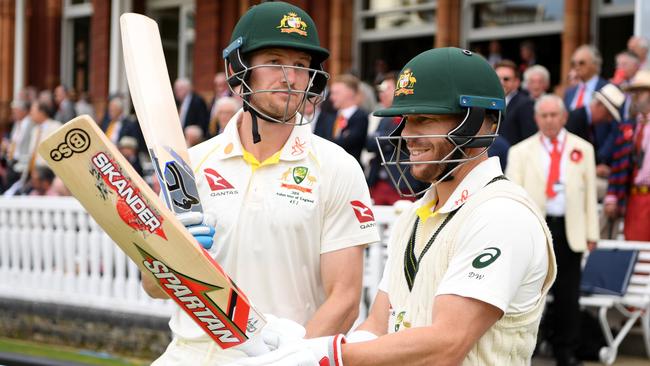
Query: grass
[(62, 353)]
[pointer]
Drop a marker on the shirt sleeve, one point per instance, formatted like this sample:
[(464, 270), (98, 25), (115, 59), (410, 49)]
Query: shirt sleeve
[(501, 255), (348, 218)]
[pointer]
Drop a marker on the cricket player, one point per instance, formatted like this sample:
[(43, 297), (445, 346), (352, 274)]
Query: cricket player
[(470, 263), (292, 210)]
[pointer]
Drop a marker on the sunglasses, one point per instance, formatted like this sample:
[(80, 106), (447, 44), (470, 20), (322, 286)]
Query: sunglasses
[(506, 78), (578, 63)]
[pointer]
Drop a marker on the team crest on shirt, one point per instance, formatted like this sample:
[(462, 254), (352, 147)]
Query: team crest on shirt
[(297, 185), (405, 83), (219, 186), (291, 23)]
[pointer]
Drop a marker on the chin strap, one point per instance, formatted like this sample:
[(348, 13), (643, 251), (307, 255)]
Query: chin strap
[(256, 133)]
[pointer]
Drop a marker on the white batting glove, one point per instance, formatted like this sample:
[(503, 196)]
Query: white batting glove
[(277, 332), (324, 351), (200, 226)]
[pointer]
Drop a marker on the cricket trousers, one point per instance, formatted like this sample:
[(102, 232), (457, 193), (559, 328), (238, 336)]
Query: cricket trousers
[(181, 352)]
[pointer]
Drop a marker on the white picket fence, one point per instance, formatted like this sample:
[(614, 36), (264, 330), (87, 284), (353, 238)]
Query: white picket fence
[(52, 251)]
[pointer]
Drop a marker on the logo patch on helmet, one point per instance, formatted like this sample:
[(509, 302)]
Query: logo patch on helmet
[(405, 83), (291, 23)]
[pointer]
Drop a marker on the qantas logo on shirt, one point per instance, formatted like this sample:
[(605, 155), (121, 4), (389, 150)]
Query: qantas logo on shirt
[(364, 213), (216, 181)]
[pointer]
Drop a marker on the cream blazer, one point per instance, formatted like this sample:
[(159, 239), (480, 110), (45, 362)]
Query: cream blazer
[(581, 216)]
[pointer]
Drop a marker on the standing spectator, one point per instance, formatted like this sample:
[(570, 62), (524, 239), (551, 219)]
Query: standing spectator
[(518, 123), (117, 125), (64, 106), (191, 107), (639, 45), (537, 80), (527, 55), (586, 61), (628, 192), (221, 90), (627, 65), (350, 127), (494, 55), (568, 198), (597, 123), (224, 109), (129, 147), (18, 151)]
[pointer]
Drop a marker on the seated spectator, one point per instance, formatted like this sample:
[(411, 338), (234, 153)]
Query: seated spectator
[(18, 150), (64, 107), (224, 109), (193, 135), (192, 110), (116, 124), (41, 181), (128, 146)]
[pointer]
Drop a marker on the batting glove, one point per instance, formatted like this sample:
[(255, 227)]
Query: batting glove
[(277, 332), (324, 351), (199, 226)]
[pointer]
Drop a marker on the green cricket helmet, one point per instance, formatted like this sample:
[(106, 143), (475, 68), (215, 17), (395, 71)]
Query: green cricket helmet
[(275, 25), (444, 81)]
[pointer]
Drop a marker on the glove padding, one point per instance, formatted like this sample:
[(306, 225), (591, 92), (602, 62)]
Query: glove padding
[(277, 333), (324, 351), (200, 226)]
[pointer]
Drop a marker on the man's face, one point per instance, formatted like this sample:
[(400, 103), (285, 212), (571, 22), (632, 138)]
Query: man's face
[(386, 92), (285, 87), (36, 114), (114, 110), (641, 100), (181, 90), (508, 80), (550, 118), (628, 65), (220, 84), (584, 64), (599, 112), (537, 85), (423, 149), (342, 96), (18, 114), (59, 94)]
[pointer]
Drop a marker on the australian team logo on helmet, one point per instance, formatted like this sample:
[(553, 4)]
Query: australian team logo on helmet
[(276, 25), (443, 81)]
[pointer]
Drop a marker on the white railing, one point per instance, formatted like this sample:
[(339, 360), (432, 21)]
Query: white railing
[(51, 250)]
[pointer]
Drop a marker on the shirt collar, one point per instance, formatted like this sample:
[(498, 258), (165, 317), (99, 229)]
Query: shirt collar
[(298, 145), (560, 139), (348, 112), (591, 83), (476, 179)]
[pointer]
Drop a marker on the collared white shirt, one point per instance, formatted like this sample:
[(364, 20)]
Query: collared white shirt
[(510, 96), (348, 112), (555, 206), (515, 280), (590, 88), (273, 222)]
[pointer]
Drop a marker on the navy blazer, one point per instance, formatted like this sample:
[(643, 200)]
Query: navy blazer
[(570, 93), (602, 136), (197, 114), (130, 127), (352, 138), (519, 122)]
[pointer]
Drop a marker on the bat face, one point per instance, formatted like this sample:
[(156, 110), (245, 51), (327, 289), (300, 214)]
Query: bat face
[(132, 215)]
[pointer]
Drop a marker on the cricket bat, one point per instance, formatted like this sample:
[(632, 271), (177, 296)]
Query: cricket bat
[(135, 218), (155, 107)]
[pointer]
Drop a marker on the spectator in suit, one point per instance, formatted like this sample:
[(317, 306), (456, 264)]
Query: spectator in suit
[(527, 55), (191, 107), (628, 193), (596, 123), (116, 124), (586, 62), (64, 107), (556, 167), (18, 151), (224, 109), (518, 123), (129, 148), (350, 127), (537, 80), (627, 65), (639, 45)]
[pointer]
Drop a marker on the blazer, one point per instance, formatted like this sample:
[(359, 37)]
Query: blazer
[(581, 217), (570, 92), (519, 121), (601, 136), (352, 138), (129, 127), (197, 114)]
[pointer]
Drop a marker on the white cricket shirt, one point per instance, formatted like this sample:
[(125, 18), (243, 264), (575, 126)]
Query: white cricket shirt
[(274, 221)]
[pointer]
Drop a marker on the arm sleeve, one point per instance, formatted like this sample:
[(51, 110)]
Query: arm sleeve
[(493, 256)]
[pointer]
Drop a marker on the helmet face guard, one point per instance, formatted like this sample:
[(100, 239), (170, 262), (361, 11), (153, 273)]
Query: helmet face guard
[(238, 76), (398, 164)]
